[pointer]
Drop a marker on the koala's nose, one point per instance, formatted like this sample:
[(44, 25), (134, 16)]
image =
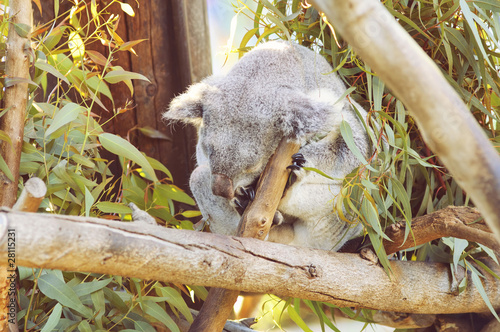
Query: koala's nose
[(222, 186)]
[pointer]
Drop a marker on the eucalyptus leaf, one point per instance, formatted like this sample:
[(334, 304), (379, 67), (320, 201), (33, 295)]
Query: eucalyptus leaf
[(54, 288), (121, 147)]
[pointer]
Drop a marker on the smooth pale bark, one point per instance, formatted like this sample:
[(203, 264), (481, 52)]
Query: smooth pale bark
[(446, 124), (244, 264)]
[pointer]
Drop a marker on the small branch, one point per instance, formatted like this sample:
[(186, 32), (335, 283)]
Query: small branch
[(461, 222), (255, 223), (32, 195), (243, 264)]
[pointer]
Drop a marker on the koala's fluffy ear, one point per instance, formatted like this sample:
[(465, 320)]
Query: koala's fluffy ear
[(305, 115), (188, 107)]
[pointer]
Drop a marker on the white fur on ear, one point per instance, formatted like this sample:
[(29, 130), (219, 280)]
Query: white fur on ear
[(188, 107)]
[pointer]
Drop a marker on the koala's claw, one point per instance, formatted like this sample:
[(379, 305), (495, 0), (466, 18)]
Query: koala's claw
[(243, 197), (298, 159), (248, 193), (293, 167), (298, 162)]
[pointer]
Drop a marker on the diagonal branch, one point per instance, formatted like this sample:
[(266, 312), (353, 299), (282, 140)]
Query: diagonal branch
[(244, 264)]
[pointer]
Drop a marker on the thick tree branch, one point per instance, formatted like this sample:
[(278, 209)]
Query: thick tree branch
[(447, 126), (153, 252)]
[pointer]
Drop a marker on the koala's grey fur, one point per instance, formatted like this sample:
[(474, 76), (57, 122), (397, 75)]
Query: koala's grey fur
[(277, 90)]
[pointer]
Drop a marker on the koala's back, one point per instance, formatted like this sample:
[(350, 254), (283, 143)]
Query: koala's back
[(281, 63)]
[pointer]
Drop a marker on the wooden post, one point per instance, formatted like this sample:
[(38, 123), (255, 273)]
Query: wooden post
[(255, 222)]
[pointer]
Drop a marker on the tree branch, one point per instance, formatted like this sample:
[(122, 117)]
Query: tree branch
[(461, 222), (447, 125), (244, 264)]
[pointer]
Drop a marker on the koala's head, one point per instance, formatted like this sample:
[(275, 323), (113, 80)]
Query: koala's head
[(242, 116)]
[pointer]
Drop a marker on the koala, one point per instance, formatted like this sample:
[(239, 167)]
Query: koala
[(277, 90)]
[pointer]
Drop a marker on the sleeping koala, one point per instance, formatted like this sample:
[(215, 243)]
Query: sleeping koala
[(277, 90)]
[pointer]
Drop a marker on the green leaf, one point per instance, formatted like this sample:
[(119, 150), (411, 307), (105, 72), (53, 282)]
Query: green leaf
[(22, 29), (272, 8), (191, 214), (154, 310), (174, 193), (84, 326), (99, 306), (123, 148), (479, 285), (115, 300), (153, 133), (116, 76), (86, 288), (346, 132), (458, 248), (110, 207), (65, 115), (469, 18), (175, 299), (89, 200), (297, 319), (379, 250), (54, 288), (79, 159), (47, 67), (159, 166), (143, 326), (54, 318), (5, 169)]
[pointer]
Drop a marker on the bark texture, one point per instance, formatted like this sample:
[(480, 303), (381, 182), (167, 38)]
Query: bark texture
[(446, 124), (244, 264), (15, 98)]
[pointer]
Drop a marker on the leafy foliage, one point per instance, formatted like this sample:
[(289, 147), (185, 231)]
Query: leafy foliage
[(66, 146), (402, 179)]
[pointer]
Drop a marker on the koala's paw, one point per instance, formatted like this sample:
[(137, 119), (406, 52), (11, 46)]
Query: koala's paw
[(244, 195)]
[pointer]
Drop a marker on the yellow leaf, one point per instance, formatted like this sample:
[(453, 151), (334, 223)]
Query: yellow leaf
[(127, 9)]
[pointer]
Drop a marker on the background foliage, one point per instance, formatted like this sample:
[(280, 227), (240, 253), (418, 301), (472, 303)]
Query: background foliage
[(66, 146), (403, 178)]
